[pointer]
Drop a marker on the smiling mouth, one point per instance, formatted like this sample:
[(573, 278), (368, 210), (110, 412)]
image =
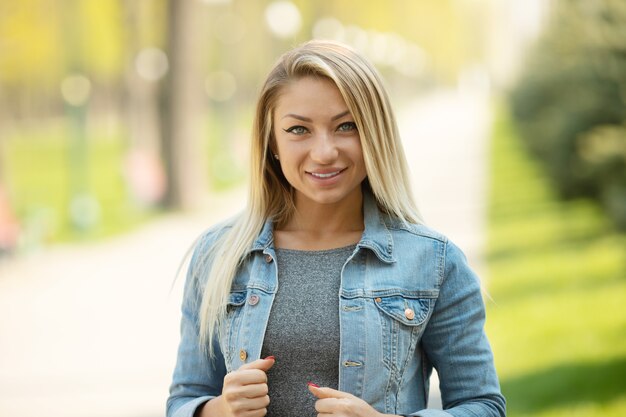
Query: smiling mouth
[(326, 175)]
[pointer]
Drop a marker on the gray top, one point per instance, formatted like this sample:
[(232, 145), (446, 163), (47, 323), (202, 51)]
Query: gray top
[(303, 329)]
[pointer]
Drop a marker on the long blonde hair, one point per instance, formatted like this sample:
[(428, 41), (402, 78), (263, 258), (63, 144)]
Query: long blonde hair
[(272, 197)]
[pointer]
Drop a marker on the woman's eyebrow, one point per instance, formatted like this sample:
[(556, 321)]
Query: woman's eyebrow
[(340, 115), (296, 116), (306, 119)]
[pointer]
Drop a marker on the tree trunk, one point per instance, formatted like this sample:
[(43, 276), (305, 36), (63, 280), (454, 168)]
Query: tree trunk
[(143, 166), (182, 109)]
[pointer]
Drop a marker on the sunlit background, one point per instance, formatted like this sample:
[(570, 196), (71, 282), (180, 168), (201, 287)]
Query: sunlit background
[(125, 129)]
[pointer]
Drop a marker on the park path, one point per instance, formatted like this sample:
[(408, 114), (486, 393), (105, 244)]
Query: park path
[(91, 329)]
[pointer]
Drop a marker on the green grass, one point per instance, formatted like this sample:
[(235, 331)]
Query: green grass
[(43, 174), (47, 167), (45, 170), (557, 276)]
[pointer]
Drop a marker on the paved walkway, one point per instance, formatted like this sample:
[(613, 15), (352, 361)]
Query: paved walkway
[(91, 329)]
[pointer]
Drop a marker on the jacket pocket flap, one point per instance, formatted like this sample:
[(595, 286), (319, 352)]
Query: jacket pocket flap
[(236, 299), (408, 311)]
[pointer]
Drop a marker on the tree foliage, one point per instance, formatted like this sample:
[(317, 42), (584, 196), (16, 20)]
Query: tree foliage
[(570, 101)]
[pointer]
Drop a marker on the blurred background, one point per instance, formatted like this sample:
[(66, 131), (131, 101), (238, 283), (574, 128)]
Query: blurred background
[(124, 132)]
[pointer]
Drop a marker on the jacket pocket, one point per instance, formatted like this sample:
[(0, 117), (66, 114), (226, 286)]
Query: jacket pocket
[(402, 322), (408, 311)]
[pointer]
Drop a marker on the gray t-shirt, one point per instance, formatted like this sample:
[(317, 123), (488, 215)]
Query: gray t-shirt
[(303, 329)]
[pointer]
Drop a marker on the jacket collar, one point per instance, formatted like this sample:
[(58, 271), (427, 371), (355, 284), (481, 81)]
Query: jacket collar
[(376, 236)]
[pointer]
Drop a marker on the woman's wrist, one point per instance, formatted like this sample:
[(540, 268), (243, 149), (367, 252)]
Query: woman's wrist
[(211, 408)]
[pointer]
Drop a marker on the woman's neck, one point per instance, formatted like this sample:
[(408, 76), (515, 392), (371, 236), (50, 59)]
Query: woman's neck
[(343, 216), (316, 226)]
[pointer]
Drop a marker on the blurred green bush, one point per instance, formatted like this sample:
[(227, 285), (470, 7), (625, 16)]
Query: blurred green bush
[(569, 104), (556, 270)]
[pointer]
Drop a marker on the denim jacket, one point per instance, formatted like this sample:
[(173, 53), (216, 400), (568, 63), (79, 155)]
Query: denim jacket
[(408, 302)]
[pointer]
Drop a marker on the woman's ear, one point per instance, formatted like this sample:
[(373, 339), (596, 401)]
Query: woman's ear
[(273, 151)]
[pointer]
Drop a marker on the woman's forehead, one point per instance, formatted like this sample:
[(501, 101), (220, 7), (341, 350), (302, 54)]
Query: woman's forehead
[(310, 96)]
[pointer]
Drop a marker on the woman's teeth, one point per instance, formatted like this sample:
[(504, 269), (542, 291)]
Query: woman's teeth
[(328, 175)]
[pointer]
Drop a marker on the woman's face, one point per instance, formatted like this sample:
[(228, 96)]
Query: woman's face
[(318, 143)]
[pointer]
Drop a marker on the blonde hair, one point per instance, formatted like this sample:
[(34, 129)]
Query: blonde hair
[(272, 197)]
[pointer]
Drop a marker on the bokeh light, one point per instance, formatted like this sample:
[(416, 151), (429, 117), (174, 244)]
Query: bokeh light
[(151, 64), (328, 28), (283, 18), (76, 89)]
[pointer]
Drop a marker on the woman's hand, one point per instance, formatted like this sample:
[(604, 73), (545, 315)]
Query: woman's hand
[(244, 393), (341, 404)]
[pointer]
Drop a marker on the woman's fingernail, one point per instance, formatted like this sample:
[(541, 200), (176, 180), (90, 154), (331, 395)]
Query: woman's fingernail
[(311, 384), (269, 358)]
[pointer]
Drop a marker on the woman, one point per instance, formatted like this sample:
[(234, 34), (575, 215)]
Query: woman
[(327, 274)]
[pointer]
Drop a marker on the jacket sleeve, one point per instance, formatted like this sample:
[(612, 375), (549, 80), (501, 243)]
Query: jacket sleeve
[(197, 379), (455, 343)]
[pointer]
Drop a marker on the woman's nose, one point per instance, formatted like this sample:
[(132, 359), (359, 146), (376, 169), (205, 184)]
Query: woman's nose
[(324, 149)]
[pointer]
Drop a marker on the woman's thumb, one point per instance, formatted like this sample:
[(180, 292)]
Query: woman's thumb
[(262, 364)]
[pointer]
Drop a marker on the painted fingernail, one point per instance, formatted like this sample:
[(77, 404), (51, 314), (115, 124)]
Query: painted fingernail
[(311, 384), (269, 358)]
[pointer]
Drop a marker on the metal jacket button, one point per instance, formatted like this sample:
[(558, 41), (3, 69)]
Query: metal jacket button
[(268, 258), (409, 314), (243, 355), (253, 300)]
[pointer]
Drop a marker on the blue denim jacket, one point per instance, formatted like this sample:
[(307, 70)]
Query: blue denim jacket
[(408, 302)]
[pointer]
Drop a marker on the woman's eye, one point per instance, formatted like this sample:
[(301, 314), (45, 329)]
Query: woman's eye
[(347, 127), (296, 130)]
